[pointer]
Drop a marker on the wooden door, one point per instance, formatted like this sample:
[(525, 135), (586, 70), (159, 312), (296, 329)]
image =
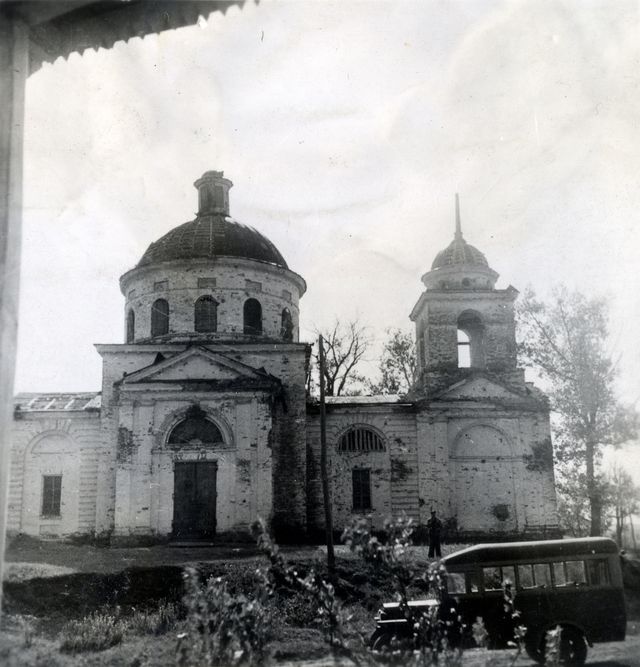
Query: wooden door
[(194, 500)]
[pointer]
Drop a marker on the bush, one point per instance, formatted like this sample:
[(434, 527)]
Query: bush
[(221, 628), (95, 632), (153, 621)]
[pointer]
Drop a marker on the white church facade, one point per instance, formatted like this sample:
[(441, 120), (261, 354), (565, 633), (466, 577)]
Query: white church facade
[(203, 424)]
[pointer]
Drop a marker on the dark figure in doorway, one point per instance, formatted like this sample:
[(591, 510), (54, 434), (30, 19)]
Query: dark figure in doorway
[(434, 526)]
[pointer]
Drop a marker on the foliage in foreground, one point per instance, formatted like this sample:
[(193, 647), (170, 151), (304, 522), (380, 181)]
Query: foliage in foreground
[(95, 632), (101, 630)]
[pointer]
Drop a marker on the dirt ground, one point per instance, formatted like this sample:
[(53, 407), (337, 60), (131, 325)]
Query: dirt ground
[(47, 583)]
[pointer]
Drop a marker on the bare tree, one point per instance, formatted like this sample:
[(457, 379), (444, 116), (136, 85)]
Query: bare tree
[(566, 341), (345, 347)]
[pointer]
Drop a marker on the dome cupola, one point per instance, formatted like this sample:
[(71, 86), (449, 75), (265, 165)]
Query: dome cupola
[(212, 278), (460, 265), (213, 233)]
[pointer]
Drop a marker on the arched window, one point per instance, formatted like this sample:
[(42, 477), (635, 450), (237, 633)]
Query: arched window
[(131, 326), (206, 314), (360, 439), (470, 340), (195, 430), (160, 317), (286, 327), (252, 317)]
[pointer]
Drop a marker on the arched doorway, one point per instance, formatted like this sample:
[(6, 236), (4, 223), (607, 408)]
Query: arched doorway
[(195, 479)]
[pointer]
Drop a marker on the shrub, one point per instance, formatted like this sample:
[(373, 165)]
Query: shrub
[(95, 632), (153, 621), (221, 628)]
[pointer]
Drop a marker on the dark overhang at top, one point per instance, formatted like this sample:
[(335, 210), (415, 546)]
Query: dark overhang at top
[(58, 28)]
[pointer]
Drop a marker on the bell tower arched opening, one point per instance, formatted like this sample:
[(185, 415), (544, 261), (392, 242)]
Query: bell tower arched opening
[(470, 340)]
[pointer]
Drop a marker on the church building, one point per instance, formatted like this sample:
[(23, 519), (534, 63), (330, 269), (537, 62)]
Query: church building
[(203, 423)]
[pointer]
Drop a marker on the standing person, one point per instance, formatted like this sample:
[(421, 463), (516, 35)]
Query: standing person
[(434, 526)]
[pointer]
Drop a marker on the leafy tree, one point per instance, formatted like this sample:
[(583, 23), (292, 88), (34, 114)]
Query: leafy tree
[(397, 364), (345, 347), (624, 498), (566, 341)]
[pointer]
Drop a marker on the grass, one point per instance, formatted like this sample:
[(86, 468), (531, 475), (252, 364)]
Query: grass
[(95, 632)]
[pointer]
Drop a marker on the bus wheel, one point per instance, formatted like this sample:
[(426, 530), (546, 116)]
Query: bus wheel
[(380, 640), (534, 652), (573, 647)]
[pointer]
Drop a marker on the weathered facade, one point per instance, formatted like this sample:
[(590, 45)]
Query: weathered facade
[(203, 424)]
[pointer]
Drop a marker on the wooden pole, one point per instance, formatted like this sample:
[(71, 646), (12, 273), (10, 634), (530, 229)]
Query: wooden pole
[(14, 69), (326, 492)]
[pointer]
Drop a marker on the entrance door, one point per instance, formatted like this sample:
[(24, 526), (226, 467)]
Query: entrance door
[(194, 500)]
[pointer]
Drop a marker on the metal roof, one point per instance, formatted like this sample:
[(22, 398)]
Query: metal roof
[(50, 402), (210, 236), (507, 551)]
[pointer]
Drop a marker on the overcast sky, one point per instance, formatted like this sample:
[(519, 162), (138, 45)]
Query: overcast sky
[(346, 128)]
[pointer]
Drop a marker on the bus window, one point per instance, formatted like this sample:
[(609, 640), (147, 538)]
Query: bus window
[(575, 573), (559, 574), (542, 575), (598, 572), (492, 579), (495, 577), (473, 582), (525, 576), (509, 575), (456, 583)]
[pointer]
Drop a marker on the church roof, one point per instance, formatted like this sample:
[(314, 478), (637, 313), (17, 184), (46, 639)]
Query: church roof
[(213, 236), (50, 401), (214, 233)]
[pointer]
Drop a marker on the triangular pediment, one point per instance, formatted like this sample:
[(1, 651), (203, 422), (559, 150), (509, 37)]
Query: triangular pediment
[(197, 364), (481, 389)]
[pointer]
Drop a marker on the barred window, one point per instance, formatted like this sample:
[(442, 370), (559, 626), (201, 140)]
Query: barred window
[(361, 440), (361, 480), (206, 314), (51, 495), (160, 317)]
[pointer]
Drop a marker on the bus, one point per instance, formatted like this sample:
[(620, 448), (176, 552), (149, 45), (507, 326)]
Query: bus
[(573, 583)]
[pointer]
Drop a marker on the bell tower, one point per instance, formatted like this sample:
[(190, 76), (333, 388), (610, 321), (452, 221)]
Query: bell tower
[(464, 325)]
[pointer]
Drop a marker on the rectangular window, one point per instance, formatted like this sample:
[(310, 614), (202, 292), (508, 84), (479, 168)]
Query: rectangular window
[(456, 583), (496, 577), (525, 576), (598, 572), (253, 284), (559, 574), (575, 573), (361, 479), (51, 495), (160, 286), (205, 283), (542, 574)]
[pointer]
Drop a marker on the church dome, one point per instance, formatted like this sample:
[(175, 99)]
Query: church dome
[(213, 236), (460, 265), (213, 233), (459, 252)]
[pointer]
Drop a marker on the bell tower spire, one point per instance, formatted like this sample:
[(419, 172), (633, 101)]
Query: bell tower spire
[(458, 234)]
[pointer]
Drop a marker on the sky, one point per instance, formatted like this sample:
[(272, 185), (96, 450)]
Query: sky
[(346, 128)]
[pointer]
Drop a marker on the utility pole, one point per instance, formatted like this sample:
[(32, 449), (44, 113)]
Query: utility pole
[(326, 492)]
